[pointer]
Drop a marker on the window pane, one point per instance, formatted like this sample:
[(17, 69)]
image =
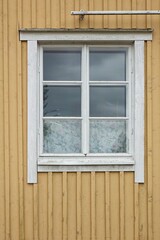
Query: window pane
[(62, 136), (62, 65), (108, 136), (62, 101), (107, 101), (107, 65)]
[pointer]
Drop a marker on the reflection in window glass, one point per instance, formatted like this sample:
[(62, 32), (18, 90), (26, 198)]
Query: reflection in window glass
[(108, 136), (62, 136), (107, 65), (62, 65), (62, 101), (107, 101)]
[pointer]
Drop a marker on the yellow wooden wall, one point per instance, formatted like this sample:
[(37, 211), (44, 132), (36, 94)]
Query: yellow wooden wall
[(70, 206)]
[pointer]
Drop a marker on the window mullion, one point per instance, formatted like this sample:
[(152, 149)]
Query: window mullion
[(85, 101)]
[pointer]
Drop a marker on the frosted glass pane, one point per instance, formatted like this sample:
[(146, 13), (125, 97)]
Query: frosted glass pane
[(62, 65), (107, 136), (107, 65), (62, 136), (62, 101), (107, 101)]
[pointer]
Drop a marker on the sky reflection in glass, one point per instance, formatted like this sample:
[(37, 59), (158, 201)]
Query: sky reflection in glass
[(62, 65), (107, 65), (107, 101)]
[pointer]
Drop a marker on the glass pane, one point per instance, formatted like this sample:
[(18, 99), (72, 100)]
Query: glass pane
[(108, 136), (107, 101), (107, 65), (62, 101), (62, 65), (62, 136)]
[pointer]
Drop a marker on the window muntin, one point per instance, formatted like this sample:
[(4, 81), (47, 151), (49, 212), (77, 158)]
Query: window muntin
[(69, 130)]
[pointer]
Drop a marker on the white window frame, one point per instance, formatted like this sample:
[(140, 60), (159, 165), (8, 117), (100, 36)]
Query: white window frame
[(95, 162)]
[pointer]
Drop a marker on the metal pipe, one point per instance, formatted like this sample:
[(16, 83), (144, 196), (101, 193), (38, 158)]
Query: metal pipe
[(145, 12)]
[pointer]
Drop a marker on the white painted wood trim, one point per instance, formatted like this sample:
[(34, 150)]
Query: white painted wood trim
[(32, 112), (139, 111), (82, 160), (115, 168), (44, 163), (85, 36)]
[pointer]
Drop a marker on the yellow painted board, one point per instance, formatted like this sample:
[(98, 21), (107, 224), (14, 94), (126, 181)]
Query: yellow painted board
[(100, 206), (73, 205), (57, 206), (86, 206)]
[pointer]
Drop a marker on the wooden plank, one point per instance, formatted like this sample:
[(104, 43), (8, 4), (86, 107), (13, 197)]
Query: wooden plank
[(134, 18), (65, 212), (50, 207), (93, 207), (100, 205), (115, 205), (136, 212), (143, 233), (20, 128), (48, 14), (2, 156), (6, 120), (107, 205), (72, 235), (84, 5), (88, 36), (55, 16), (129, 206), (35, 212), (41, 13), (42, 206), (105, 18), (139, 111), (122, 206), (119, 18), (126, 20), (76, 19), (112, 20), (13, 118), (79, 206), (91, 18), (57, 206), (34, 13), (155, 70), (149, 138), (26, 13), (32, 109), (86, 206), (98, 20), (141, 20), (69, 5), (149, 17), (63, 13)]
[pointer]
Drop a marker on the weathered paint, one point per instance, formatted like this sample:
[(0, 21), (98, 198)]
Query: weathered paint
[(73, 205)]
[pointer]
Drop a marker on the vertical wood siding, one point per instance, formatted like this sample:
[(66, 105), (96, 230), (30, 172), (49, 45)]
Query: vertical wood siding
[(69, 206)]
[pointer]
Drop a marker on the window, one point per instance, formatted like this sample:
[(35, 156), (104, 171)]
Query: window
[(85, 101)]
